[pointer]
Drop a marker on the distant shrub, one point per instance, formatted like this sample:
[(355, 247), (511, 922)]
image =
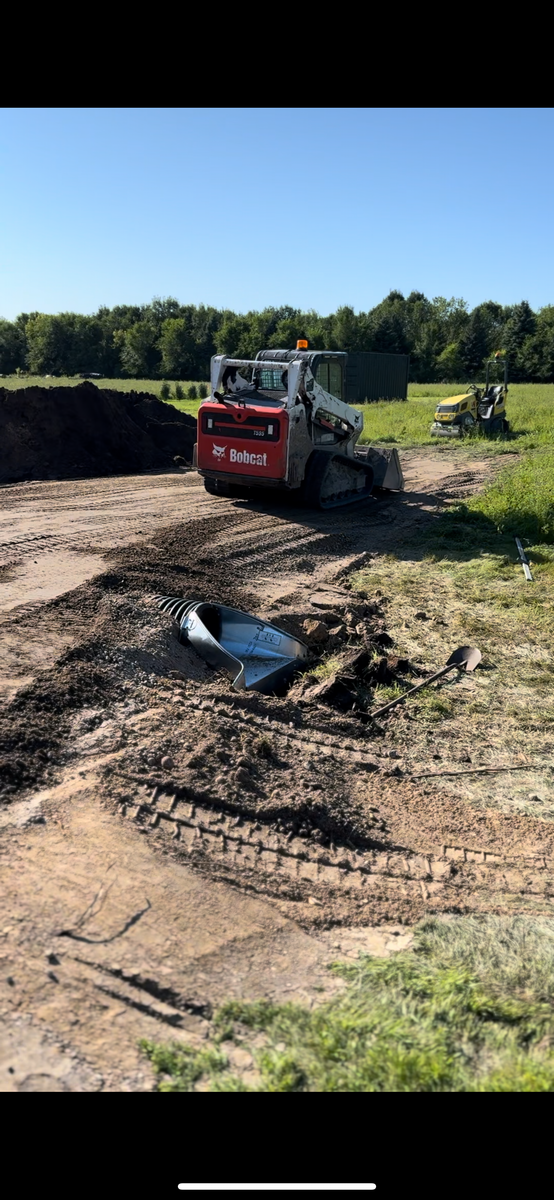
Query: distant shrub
[(192, 392), (165, 391), (202, 391), (179, 392)]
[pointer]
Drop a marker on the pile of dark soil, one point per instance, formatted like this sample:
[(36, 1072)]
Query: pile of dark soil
[(68, 433)]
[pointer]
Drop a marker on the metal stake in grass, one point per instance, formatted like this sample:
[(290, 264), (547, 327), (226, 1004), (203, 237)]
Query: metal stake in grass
[(524, 561), (465, 658)]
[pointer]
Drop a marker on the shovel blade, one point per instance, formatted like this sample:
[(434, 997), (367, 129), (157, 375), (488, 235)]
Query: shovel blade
[(466, 656)]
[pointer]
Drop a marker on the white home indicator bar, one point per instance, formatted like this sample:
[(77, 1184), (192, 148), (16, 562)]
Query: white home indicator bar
[(277, 1187)]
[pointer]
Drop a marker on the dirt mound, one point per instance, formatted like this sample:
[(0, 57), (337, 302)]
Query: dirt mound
[(61, 433)]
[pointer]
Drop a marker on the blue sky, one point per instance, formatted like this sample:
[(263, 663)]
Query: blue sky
[(243, 208)]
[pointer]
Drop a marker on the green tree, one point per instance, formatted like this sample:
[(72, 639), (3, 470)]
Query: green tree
[(451, 316), (111, 321), (389, 335), (520, 326), (12, 347), (448, 365), (544, 338), (385, 328), (85, 347), (177, 341), (48, 344), (287, 333), (205, 322), (417, 312), (140, 356), (424, 355), (347, 330), (474, 345), (535, 356), (178, 349), (432, 326), (64, 344), (319, 331), (233, 337), (493, 316), (161, 309)]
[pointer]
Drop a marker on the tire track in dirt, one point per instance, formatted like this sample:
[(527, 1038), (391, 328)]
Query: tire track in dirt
[(397, 881)]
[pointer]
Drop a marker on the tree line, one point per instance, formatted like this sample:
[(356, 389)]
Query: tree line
[(446, 340)]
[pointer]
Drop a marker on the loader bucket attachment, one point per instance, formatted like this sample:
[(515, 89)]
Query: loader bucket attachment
[(387, 472), (257, 656)]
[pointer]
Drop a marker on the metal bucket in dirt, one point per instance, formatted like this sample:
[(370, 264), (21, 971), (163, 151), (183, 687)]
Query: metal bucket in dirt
[(255, 654)]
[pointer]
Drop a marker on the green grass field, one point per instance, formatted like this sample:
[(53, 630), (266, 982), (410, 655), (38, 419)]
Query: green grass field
[(469, 1009), (186, 406), (530, 411)]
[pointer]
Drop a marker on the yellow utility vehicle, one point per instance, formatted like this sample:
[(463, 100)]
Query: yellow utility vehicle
[(477, 409)]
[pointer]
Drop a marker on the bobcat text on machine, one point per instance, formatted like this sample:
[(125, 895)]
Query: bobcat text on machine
[(280, 421), (476, 409)]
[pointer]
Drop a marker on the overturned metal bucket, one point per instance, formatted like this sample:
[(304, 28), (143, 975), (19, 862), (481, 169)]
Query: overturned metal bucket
[(257, 656)]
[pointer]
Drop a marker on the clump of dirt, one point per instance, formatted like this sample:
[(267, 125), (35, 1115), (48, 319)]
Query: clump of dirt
[(349, 641), (67, 433)]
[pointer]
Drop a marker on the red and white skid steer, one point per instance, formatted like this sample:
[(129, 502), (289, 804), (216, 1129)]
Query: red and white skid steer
[(280, 421)]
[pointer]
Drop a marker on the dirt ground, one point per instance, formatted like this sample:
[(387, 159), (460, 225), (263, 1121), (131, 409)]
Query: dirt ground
[(166, 842)]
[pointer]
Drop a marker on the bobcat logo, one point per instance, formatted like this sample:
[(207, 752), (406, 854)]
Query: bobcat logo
[(219, 451)]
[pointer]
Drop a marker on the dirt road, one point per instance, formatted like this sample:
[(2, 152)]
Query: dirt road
[(136, 897)]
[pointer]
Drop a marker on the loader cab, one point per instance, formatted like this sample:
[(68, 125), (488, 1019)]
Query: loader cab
[(328, 367)]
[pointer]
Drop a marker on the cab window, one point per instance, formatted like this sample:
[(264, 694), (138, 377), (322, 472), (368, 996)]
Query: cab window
[(329, 377), (322, 376), (335, 379)]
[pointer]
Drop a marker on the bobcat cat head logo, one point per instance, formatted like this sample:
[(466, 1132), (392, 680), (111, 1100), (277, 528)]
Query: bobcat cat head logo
[(219, 451)]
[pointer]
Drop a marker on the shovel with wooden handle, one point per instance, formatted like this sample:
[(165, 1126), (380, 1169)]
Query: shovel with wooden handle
[(465, 658)]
